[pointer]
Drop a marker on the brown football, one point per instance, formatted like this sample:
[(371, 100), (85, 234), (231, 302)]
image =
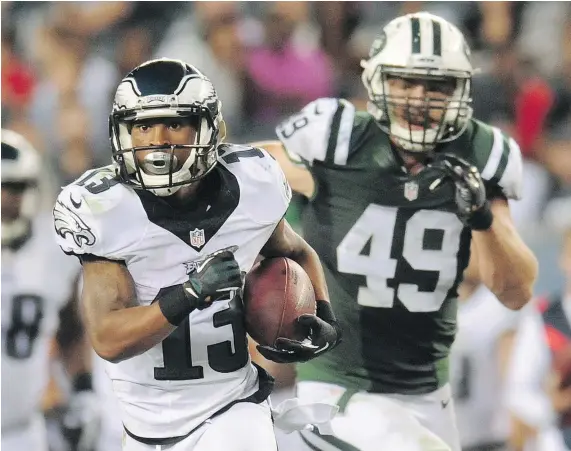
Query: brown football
[(277, 291)]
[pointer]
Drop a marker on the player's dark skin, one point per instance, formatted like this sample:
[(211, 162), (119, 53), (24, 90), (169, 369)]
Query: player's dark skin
[(119, 328)]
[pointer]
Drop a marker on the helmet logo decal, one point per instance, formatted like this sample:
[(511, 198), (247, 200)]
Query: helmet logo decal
[(378, 44)]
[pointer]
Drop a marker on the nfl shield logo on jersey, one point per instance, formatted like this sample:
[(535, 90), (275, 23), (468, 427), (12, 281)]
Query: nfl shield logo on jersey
[(197, 238), (411, 190)]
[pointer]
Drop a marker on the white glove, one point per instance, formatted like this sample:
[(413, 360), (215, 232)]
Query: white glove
[(294, 415), (82, 421)]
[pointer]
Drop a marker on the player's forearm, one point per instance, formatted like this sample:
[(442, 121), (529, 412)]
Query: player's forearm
[(507, 266), (125, 333), (309, 261)]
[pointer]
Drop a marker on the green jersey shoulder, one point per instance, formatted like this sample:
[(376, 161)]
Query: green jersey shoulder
[(332, 132)]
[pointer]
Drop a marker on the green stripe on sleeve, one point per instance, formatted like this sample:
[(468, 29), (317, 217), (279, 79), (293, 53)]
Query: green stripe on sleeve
[(503, 161)]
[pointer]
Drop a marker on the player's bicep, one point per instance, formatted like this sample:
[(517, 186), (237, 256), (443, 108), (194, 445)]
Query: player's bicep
[(107, 286), (284, 242)]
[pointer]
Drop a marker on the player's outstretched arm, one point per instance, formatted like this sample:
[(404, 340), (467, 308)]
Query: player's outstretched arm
[(117, 327), (297, 175), (507, 266)]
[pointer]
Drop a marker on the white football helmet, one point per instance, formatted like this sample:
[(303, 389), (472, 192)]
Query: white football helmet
[(21, 165), (165, 88), (419, 46)]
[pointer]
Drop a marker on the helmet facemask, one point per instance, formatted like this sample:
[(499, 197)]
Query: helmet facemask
[(418, 124), (161, 172)]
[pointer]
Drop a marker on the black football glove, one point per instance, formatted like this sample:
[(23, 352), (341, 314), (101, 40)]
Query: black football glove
[(218, 274), (323, 333), (473, 209)]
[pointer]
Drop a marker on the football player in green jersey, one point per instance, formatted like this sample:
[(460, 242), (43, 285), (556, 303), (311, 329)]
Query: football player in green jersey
[(400, 198)]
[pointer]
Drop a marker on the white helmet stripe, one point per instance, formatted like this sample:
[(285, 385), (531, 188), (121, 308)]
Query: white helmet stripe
[(426, 47)]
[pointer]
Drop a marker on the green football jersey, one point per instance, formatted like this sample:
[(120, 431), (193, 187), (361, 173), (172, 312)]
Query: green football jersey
[(393, 250)]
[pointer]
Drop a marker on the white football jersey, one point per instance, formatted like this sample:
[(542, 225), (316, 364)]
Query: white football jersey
[(204, 364), (37, 281), (475, 378)]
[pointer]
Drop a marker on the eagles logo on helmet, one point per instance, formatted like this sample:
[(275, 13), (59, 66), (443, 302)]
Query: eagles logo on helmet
[(20, 176), (165, 88)]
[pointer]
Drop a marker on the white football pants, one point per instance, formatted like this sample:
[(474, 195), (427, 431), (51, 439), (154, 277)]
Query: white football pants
[(378, 422), (244, 427)]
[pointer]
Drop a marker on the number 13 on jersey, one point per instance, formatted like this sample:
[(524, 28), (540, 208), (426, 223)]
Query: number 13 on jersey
[(430, 241)]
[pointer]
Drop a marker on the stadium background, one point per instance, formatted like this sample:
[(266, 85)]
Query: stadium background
[(61, 62)]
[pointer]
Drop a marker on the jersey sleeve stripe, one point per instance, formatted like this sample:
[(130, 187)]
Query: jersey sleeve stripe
[(495, 155), (511, 178), (503, 161), (344, 137), (334, 134)]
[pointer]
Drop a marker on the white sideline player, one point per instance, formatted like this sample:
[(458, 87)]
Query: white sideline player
[(165, 235), (478, 360), (37, 296)]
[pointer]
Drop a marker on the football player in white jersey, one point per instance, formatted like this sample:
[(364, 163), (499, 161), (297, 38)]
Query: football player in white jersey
[(165, 236), (37, 295), (478, 362)]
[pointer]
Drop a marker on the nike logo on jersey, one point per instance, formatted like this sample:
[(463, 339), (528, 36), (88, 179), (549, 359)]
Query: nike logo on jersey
[(198, 265), (74, 203)]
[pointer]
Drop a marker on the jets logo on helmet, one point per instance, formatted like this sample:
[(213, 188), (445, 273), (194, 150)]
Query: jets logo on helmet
[(378, 44), (165, 88), (425, 49)]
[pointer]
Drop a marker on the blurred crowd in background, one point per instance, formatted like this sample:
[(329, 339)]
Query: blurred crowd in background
[(62, 61)]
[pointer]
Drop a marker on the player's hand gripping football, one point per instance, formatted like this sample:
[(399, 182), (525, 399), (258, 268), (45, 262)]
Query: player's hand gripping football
[(218, 274), (323, 333), (473, 209)]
